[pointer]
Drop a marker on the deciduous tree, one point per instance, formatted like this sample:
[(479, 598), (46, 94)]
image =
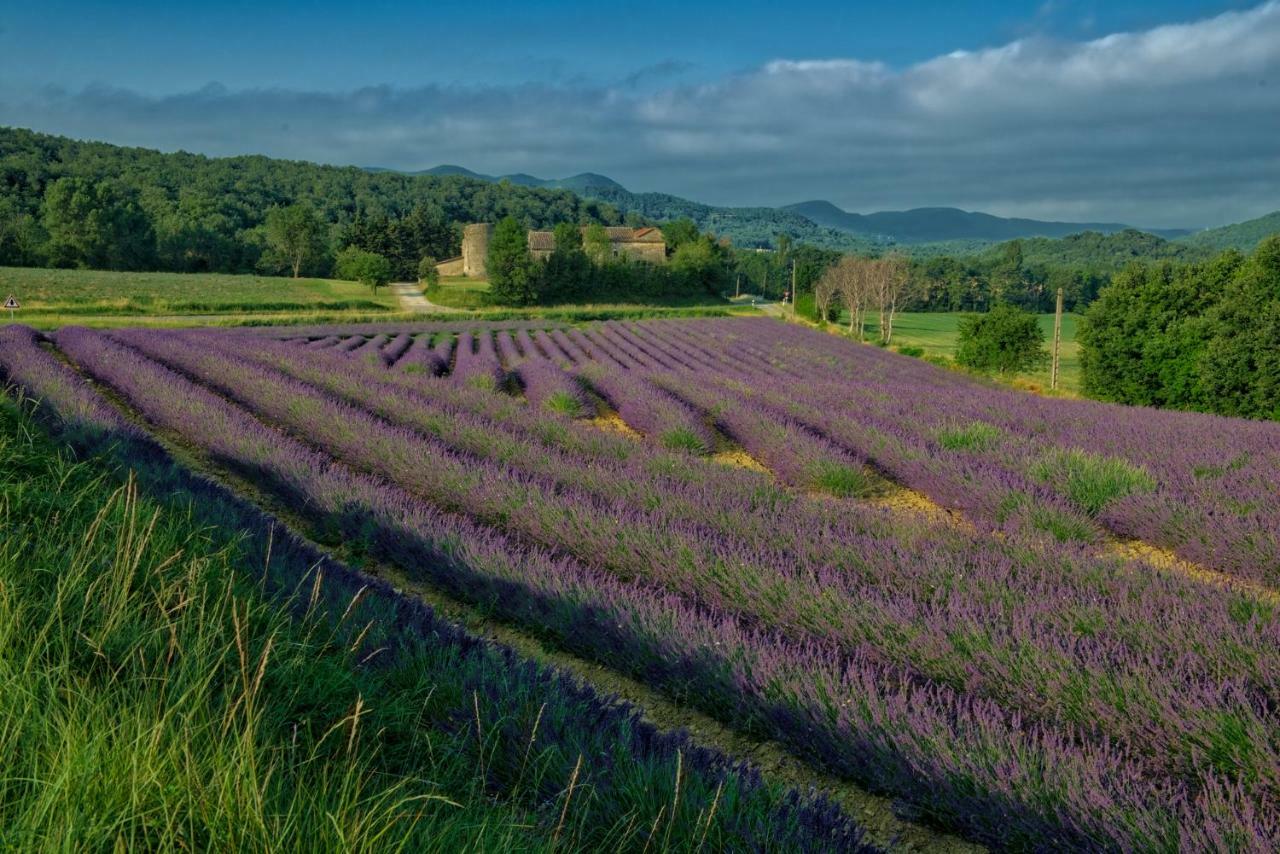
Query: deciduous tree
[(1004, 340), (295, 234), (368, 268)]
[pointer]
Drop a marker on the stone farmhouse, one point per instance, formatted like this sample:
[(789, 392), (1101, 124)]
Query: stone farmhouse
[(641, 244)]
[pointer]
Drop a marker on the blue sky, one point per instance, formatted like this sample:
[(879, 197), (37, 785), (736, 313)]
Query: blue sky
[(155, 47), (1163, 113)]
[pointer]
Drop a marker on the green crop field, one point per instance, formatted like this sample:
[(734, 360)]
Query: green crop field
[(937, 334), (463, 293), (73, 294)]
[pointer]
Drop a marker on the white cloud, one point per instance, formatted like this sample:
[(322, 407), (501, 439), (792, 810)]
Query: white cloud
[(1174, 125)]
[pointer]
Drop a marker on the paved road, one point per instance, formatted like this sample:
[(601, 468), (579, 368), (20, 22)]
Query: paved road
[(410, 298)]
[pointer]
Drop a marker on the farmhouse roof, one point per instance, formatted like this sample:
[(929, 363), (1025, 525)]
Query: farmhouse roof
[(542, 240), (546, 240)]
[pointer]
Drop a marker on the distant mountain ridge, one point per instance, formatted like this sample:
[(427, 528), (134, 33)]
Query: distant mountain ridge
[(821, 223), (930, 225), (579, 183)]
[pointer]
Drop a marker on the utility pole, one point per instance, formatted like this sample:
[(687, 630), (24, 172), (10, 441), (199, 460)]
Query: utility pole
[(764, 290), (793, 287), (1057, 341)]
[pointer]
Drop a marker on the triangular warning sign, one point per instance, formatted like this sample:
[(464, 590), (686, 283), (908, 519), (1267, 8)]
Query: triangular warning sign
[(11, 303)]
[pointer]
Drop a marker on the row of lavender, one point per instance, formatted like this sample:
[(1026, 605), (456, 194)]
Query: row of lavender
[(719, 800), (1200, 485), (1019, 679)]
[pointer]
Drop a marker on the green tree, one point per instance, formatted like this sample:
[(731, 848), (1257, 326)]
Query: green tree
[(295, 234), (368, 268), (512, 274), (597, 245), (1142, 339), (428, 275), (22, 238), (95, 225), (1005, 340), (679, 232), (568, 272), (701, 265), (1239, 370)]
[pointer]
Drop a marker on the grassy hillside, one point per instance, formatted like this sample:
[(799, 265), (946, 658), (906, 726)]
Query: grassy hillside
[(45, 292), (1243, 236), (152, 698)]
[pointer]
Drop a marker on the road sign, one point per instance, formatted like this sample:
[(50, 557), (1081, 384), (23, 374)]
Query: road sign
[(12, 304)]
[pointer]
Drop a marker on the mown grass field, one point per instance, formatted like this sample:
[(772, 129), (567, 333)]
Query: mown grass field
[(459, 292), (937, 334), (55, 297)]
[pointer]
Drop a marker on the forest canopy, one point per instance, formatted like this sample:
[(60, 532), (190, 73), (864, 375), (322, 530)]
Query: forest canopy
[(69, 203)]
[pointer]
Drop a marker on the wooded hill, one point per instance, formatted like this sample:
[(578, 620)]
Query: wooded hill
[(70, 203)]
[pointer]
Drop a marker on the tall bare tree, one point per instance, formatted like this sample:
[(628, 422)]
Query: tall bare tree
[(848, 279), (889, 275), (824, 293)]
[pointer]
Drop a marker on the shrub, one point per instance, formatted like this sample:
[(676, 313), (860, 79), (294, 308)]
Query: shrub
[(1005, 340), (428, 275), (683, 439), (911, 350), (974, 436), (367, 268), (1092, 481), (564, 403), (843, 480)]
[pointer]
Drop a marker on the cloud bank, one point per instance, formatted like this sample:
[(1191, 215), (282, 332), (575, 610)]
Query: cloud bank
[(1177, 125)]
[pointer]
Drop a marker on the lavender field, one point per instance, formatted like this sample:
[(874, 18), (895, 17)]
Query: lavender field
[(1034, 623)]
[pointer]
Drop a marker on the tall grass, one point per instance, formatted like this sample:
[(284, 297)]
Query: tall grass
[(150, 698)]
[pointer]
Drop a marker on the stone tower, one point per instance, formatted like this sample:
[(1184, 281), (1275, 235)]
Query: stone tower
[(475, 249)]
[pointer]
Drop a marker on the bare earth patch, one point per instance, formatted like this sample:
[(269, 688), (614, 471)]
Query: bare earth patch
[(1166, 561), (610, 420), (738, 458)]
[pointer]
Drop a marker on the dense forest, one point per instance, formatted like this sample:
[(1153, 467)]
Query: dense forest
[(1203, 336), (1244, 236), (70, 203)]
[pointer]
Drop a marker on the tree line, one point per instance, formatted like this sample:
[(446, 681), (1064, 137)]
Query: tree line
[(1014, 273), (1202, 336)]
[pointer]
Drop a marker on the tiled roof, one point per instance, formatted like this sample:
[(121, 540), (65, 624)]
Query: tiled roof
[(546, 240), (542, 240), (648, 235)]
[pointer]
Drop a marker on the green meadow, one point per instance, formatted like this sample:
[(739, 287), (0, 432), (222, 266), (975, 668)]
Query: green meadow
[(937, 334), (68, 295)]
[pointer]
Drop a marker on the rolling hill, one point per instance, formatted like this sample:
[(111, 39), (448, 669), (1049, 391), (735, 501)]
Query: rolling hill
[(1241, 235), (577, 183), (921, 231), (931, 225)]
